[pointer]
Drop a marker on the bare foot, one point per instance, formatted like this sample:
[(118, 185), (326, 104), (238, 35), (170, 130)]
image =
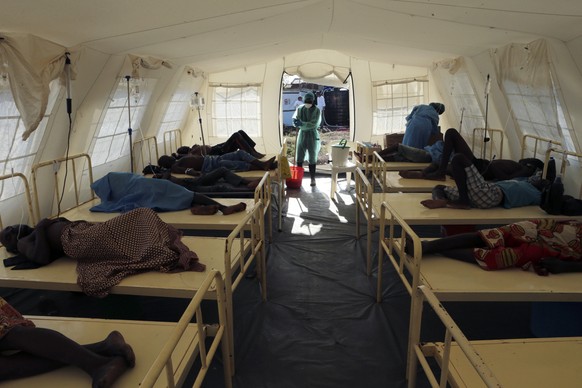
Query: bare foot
[(253, 184), (204, 210), (269, 164), (105, 376), (163, 175), (239, 207), (434, 203), (411, 174), (458, 205), (115, 345), (435, 176)]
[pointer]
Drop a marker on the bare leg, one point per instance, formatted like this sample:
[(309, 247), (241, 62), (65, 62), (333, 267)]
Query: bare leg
[(204, 210), (239, 207), (454, 142), (459, 163), (458, 247), (203, 205), (266, 165), (44, 350)]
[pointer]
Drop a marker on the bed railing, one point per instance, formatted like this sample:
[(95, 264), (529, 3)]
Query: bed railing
[(145, 152), (495, 138), (365, 152), (281, 182), (72, 175), (393, 246), (32, 220), (537, 145), (378, 171), (220, 337), (263, 194), (251, 247), (172, 141), (364, 191), (421, 352)]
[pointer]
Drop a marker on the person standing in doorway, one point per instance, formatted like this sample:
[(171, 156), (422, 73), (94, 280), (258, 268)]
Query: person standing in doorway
[(321, 106), (307, 118), (298, 103)]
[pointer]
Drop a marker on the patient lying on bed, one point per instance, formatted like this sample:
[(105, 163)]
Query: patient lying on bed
[(199, 164), (124, 191), (106, 252), (218, 181), (237, 141), (546, 244), (473, 190), (40, 350)]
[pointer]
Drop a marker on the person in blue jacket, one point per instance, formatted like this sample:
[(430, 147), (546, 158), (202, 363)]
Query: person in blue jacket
[(422, 123)]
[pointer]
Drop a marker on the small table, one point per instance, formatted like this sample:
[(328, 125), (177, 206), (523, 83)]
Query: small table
[(348, 168)]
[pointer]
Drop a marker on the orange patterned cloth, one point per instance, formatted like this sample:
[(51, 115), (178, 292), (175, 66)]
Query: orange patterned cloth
[(526, 242), (9, 318)]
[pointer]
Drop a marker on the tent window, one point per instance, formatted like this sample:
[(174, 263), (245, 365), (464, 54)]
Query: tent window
[(177, 109), (526, 106), (393, 102), (15, 154), (112, 139), (236, 108), (527, 79)]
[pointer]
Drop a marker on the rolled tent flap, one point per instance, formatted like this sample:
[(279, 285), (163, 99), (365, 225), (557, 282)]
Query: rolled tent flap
[(31, 64)]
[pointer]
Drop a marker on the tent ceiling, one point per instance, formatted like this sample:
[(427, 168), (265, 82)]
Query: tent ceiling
[(217, 35)]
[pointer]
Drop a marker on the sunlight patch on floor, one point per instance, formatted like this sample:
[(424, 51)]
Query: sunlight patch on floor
[(297, 207)]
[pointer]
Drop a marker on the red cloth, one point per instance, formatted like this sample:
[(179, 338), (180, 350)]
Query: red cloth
[(525, 242)]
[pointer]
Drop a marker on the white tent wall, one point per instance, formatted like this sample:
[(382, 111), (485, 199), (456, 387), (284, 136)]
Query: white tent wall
[(269, 76), (567, 62), (87, 95)]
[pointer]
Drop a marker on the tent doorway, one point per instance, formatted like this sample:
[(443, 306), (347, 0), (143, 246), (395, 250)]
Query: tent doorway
[(334, 103)]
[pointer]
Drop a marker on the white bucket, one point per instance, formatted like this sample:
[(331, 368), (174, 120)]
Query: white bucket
[(339, 154)]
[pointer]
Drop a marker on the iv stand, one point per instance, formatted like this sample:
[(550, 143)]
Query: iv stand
[(129, 130), (485, 137), (197, 100)]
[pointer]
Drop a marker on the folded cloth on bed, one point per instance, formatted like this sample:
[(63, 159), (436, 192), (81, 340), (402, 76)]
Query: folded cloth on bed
[(124, 191)]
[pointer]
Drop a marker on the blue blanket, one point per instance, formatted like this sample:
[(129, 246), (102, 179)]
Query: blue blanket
[(123, 191)]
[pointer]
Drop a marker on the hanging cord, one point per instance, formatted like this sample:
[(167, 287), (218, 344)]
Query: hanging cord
[(485, 137), (129, 130), (69, 114), (461, 122)]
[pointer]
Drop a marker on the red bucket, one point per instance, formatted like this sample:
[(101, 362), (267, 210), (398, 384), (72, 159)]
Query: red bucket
[(296, 177)]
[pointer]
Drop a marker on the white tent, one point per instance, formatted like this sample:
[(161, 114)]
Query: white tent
[(197, 45)]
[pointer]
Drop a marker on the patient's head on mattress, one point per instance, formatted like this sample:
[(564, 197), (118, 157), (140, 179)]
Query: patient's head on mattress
[(166, 161), (10, 235)]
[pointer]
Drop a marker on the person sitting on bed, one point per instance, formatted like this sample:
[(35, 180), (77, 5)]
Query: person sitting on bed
[(550, 245), (32, 351), (473, 191), (199, 164), (124, 191), (496, 169), (220, 180), (237, 141), (105, 252)]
